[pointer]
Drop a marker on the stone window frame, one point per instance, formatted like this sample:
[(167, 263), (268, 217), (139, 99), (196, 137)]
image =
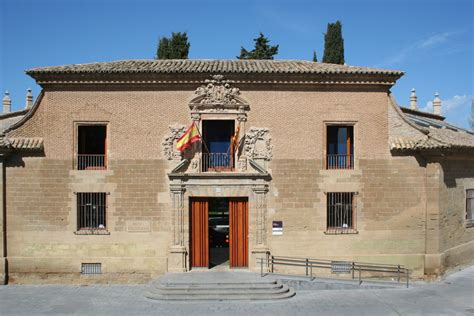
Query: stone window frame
[(79, 123), (468, 222), (355, 134), (92, 231), (347, 231)]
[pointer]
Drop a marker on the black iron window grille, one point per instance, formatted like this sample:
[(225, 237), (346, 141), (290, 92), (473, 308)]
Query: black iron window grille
[(341, 212), (91, 211)]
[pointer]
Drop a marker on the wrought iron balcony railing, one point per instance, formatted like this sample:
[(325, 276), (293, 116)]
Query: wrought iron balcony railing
[(91, 162), (339, 161), (217, 162)]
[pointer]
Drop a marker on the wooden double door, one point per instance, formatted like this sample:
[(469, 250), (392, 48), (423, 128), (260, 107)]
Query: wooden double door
[(238, 232)]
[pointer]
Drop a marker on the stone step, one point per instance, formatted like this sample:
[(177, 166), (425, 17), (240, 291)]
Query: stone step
[(217, 286), (222, 286), (230, 291), (288, 293)]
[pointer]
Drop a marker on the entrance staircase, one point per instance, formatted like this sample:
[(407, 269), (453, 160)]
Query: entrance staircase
[(217, 286)]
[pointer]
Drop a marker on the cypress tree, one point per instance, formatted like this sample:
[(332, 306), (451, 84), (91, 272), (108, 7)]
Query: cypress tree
[(176, 47), (262, 49), (315, 58), (334, 44)]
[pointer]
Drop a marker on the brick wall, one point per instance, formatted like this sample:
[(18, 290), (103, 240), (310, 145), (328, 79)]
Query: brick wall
[(393, 191)]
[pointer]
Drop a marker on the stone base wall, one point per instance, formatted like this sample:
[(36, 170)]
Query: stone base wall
[(390, 222), (43, 243)]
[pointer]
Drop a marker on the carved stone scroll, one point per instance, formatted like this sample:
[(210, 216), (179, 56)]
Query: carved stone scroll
[(258, 144), (169, 142)]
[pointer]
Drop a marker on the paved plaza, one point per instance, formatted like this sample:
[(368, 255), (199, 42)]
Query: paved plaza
[(452, 296)]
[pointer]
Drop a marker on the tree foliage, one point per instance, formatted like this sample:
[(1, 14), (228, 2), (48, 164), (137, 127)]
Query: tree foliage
[(315, 58), (334, 44), (176, 47), (262, 49)]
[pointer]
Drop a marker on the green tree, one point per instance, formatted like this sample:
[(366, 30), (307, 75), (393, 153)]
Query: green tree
[(315, 58), (262, 49), (176, 47), (334, 44)]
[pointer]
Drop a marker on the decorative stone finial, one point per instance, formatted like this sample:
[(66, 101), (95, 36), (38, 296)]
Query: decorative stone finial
[(7, 103), (437, 104), (29, 99), (413, 99)]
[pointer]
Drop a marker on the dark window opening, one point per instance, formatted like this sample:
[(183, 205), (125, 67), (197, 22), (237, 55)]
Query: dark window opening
[(91, 210), (216, 152), (340, 147), (340, 211), (91, 147), (470, 206)]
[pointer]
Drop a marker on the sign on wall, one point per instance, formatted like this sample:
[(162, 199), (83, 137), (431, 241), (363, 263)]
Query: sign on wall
[(277, 228)]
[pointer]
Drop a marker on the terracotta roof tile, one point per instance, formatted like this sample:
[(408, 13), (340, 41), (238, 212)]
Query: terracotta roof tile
[(209, 66)]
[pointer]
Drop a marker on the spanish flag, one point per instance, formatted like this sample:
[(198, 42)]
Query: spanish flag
[(190, 137)]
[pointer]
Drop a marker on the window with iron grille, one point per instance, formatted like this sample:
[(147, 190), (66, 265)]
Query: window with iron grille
[(470, 207), (91, 210), (340, 211)]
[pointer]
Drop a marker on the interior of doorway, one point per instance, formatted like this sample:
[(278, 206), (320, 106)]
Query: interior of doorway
[(218, 232)]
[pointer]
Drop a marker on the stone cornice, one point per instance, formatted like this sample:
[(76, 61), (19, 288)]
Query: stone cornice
[(197, 79)]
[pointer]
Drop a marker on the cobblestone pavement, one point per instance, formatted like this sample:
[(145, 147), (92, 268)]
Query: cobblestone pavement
[(452, 296)]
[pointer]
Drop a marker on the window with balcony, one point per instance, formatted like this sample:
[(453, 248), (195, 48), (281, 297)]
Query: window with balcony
[(91, 147), (340, 147), (217, 154)]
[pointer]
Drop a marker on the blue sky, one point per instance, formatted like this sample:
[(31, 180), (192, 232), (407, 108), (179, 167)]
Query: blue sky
[(431, 40)]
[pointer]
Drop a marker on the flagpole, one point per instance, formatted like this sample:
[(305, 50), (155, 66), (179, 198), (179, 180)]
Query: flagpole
[(202, 138)]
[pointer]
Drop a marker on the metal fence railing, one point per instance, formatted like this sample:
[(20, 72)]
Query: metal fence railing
[(217, 162), (339, 161), (91, 162), (349, 267)]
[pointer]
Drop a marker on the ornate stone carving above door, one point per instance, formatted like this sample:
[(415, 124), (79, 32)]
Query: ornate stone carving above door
[(217, 95)]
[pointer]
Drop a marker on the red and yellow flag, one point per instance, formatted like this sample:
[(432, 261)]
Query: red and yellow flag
[(234, 143), (190, 137)]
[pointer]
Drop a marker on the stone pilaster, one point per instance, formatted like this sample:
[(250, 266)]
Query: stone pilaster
[(260, 193), (433, 259), (3, 250), (177, 254)]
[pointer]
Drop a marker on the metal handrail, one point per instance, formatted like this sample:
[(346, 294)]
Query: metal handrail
[(309, 264)]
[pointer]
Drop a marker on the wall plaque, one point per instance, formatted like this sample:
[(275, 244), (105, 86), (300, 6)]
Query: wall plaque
[(138, 226), (277, 228)]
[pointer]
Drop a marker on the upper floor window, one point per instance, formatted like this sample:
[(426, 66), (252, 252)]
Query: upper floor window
[(217, 152), (340, 147), (92, 147), (470, 207)]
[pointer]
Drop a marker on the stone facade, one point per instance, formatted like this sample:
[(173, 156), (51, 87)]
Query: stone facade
[(410, 206)]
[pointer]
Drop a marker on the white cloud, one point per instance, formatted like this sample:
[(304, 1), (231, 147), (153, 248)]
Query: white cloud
[(451, 104), (435, 40), (421, 45)]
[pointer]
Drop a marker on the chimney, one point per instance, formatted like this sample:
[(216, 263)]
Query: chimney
[(413, 98), (7, 103), (437, 104), (29, 99)]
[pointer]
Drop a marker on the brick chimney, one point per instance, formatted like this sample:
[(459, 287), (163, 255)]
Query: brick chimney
[(437, 104), (7, 103), (413, 99), (29, 99)]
